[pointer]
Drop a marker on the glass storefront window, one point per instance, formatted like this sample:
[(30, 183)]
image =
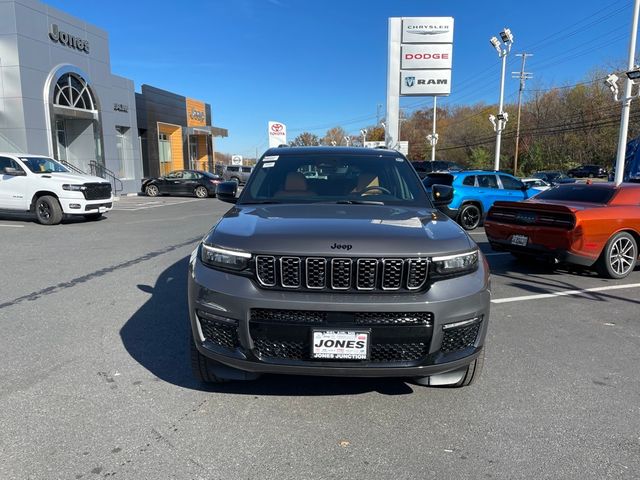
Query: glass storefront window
[(125, 157), (61, 135), (164, 150)]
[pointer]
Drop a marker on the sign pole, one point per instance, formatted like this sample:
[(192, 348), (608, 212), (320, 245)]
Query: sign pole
[(626, 101), (393, 84), (434, 138)]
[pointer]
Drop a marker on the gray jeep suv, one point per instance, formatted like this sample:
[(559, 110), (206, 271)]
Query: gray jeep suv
[(351, 271)]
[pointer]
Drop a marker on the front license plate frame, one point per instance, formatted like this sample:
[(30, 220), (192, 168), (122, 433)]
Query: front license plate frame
[(340, 353), (519, 240)]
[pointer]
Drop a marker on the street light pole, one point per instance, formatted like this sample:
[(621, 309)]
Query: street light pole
[(626, 100), (507, 41)]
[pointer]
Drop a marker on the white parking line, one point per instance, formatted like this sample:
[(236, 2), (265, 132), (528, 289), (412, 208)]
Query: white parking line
[(476, 233), (11, 226), (564, 293)]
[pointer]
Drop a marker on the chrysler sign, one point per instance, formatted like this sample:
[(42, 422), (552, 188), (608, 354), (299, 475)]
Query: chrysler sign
[(426, 56), (425, 82), (427, 30)]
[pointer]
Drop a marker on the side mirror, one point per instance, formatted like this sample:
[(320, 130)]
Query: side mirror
[(14, 172), (525, 187), (226, 191), (441, 195)]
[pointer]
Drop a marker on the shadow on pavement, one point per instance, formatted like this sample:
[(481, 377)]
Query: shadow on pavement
[(157, 337)]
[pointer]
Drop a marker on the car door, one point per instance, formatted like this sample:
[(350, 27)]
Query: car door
[(488, 190), (512, 189), (13, 188), (173, 182), (190, 180)]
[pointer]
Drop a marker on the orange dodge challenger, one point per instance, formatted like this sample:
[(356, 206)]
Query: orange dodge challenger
[(585, 224)]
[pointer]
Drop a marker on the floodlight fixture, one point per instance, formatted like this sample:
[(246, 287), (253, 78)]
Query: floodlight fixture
[(496, 44), (634, 74), (506, 35)]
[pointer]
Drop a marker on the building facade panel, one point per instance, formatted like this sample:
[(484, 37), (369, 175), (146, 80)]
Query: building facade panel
[(59, 97)]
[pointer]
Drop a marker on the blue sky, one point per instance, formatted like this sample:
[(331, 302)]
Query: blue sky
[(318, 64)]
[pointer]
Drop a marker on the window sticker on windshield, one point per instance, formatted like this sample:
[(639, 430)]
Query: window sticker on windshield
[(398, 159), (270, 158), (268, 164)]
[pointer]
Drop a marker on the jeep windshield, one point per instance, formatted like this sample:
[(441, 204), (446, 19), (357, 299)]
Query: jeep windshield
[(370, 179), (43, 165)]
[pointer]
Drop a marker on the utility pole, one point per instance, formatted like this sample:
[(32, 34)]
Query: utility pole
[(378, 108), (522, 75)]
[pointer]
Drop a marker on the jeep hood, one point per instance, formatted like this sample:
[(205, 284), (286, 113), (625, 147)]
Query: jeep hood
[(352, 230)]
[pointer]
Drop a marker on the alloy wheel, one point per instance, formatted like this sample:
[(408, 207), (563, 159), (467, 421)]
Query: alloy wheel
[(44, 211), (622, 256), (201, 192), (470, 217)]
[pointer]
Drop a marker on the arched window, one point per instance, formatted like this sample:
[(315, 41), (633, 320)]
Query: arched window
[(71, 90)]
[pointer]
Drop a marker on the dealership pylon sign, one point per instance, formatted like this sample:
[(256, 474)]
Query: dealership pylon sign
[(420, 56), (277, 134)]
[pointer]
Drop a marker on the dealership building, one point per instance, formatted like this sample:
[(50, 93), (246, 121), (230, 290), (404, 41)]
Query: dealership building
[(58, 97)]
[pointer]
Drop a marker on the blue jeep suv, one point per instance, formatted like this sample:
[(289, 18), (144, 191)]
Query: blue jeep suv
[(474, 191)]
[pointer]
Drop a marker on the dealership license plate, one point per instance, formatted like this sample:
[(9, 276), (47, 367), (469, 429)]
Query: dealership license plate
[(520, 240), (102, 209), (340, 344)]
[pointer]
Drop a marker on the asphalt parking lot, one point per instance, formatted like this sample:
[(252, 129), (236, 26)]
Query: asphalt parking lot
[(95, 380)]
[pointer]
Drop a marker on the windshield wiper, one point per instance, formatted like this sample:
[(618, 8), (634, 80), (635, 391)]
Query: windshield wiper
[(358, 202), (260, 202), (44, 171)]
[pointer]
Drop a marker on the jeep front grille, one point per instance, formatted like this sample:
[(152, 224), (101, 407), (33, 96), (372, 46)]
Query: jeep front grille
[(341, 274)]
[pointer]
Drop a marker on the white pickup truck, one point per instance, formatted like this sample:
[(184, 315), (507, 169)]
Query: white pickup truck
[(41, 185)]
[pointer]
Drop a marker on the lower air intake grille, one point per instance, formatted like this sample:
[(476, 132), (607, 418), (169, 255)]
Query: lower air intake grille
[(220, 333), (287, 316), (459, 338), (398, 352)]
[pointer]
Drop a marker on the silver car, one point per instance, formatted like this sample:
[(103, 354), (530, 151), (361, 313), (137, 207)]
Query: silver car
[(236, 173), (350, 272)]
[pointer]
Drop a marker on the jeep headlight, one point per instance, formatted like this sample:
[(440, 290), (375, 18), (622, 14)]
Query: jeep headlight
[(224, 258), (456, 264), (73, 188)]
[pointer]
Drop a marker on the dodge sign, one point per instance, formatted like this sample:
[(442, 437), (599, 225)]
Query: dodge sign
[(426, 56)]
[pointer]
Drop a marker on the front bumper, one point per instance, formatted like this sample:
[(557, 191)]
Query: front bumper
[(233, 297), (81, 206)]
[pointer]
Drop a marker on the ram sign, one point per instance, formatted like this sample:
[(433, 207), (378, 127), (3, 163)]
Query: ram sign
[(425, 82)]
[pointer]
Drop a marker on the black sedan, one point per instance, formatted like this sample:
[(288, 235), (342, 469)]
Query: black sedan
[(553, 177), (183, 182)]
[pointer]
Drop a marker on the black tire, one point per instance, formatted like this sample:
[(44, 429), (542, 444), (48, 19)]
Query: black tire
[(471, 374), (151, 190), (203, 368), (474, 371), (201, 192), (469, 216), (93, 216), (619, 256), (48, 210)]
